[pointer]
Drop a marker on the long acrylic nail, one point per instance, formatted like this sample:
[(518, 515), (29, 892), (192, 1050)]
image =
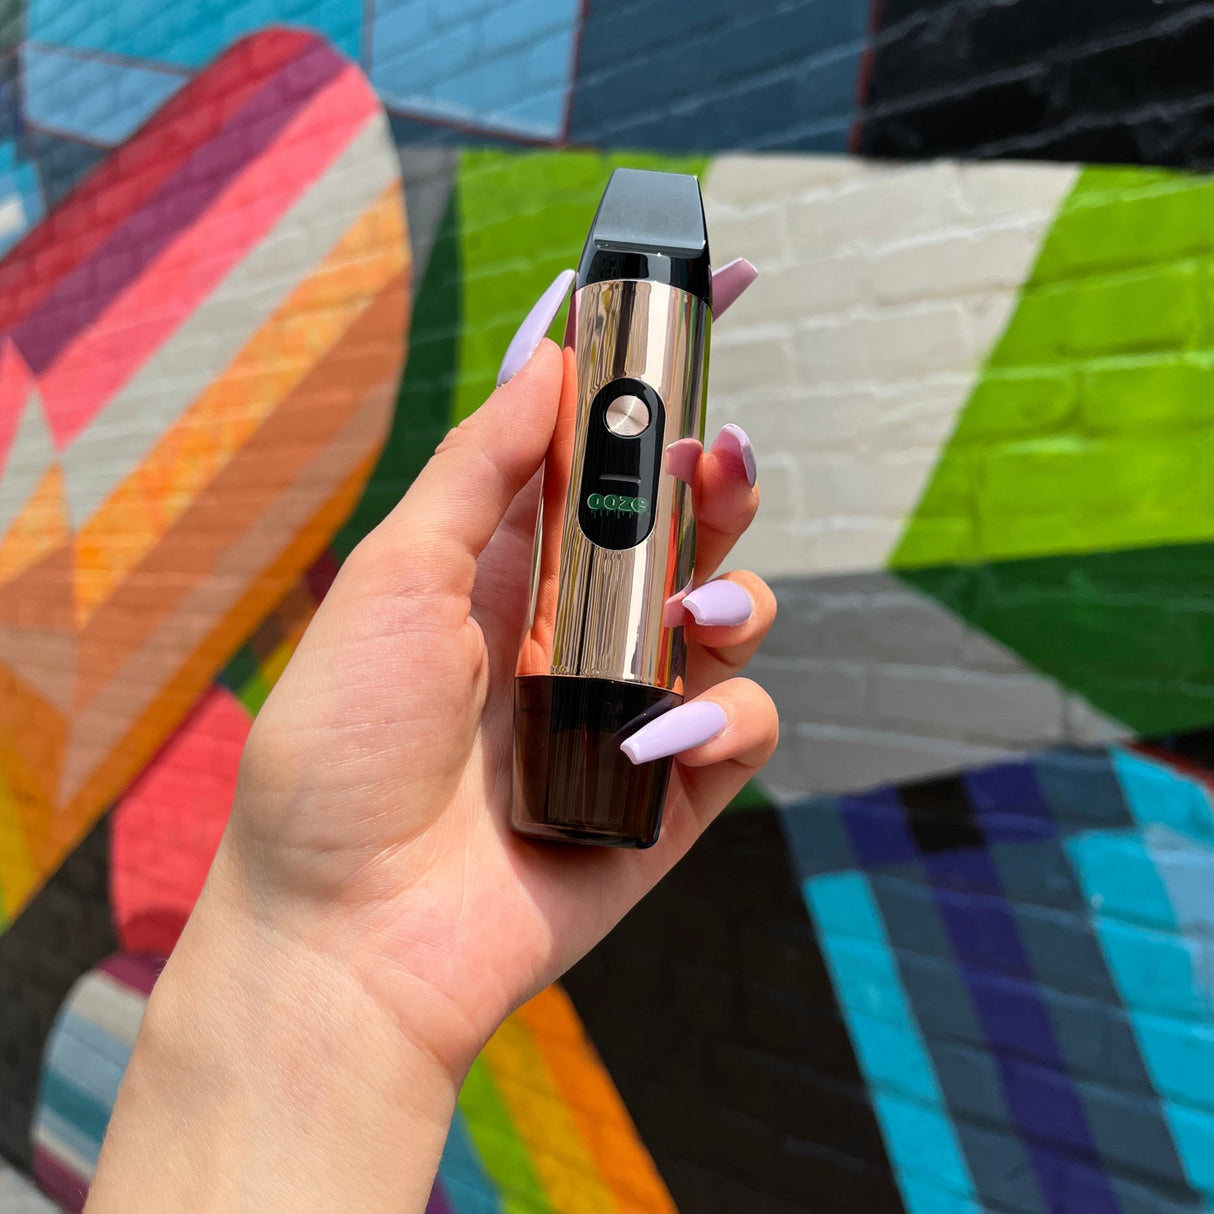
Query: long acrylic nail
[(531, 332), (719, 604), (680, 729), (733, 439), (729, 283)]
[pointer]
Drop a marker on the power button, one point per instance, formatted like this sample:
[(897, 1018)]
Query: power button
[(627, 416)]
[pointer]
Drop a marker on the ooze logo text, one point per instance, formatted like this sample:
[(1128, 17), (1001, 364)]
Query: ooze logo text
[(611, 503)]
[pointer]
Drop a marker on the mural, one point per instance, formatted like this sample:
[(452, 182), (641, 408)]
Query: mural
[(950, 954)]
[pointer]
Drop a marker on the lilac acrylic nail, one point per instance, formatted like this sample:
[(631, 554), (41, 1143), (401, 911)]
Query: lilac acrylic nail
[(734, 440), (531, 332), (719, 604), (682, 728)]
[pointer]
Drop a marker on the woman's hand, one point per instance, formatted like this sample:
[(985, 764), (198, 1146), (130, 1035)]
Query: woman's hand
[(370, 917)]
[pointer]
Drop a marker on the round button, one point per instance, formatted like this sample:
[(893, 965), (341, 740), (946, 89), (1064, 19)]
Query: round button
[(627, 416)]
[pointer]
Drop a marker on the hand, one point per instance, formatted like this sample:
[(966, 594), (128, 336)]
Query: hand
[(369, 903)]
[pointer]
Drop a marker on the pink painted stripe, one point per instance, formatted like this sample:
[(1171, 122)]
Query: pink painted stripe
[(126, 179), (112, 349), (16, 381), (138, 971), (59, 1182), (186, 195), (438, 1203)]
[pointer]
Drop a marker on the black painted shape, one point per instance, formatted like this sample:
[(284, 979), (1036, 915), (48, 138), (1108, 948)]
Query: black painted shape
[(1121, 81), (715, 75), (940, 814), (64, 931), (714, 1014)]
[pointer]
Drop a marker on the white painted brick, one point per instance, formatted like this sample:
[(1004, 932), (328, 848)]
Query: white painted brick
[(835, 758), (810, 689), (1012, 708)]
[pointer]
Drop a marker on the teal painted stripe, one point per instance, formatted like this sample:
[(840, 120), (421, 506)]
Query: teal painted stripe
[(1156, 969), (96, 1060), (919, 1136), (71, 1135), (61, 1097), (1158, 796), (463, 1177)]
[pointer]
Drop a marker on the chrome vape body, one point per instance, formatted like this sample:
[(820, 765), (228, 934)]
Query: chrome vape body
[(607, 613)]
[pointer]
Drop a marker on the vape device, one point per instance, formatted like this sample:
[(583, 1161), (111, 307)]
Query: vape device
[(604, 651)]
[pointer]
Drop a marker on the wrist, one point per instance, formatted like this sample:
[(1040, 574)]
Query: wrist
[(266, 1076)]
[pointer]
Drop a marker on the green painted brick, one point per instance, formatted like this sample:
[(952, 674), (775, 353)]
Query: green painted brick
[(1013, 403), (1153, 309), (1147, 394), (524, 218), (1092, 423)]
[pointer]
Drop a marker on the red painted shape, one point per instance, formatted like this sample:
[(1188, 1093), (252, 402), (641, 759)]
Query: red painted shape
[(164, 831), (16, 381), (107, 197), (110, 351)]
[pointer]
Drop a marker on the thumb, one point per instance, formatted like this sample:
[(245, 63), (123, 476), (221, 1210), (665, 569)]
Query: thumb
[(458, 501)]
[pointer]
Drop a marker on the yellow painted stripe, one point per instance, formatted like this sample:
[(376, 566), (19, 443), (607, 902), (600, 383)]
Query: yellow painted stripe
[(277, 358), (559, 1154), (586, 1088), (18, 876)]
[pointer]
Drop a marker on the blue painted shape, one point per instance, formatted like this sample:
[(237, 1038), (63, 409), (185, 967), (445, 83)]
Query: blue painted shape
[(1119, 878), (919, 1136), (96, 1060), (1155, 793), (503, 67), (816, 839), (877, 827), (1194, 1134), (463, 1177), (1008, 802), (1158, 973), (21, 204), (1187, 870), (1081, 788), (92, 99), (719, 75), (68, 1105), (70, 1134), (184, 35)]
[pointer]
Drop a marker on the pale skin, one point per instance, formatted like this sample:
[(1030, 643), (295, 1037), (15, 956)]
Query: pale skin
[(370, 918)]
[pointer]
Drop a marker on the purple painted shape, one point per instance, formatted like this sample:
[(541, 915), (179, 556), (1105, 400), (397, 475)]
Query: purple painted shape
[(877, 827), (87, 290), (58, 1181), (139, 971), (438, 1203), (1017, 1026), (1008, 802)]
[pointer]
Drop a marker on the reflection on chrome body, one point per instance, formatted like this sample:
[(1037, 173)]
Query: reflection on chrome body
[(596, 612)]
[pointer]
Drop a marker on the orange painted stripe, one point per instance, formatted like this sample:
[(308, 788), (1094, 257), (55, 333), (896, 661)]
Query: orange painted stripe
[(544, 1122), (599, 1113), (272, 364), (109, 352), (38, 530)]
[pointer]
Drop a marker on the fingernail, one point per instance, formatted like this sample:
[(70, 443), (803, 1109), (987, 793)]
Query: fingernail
[(682, 456), (734, 440), (531, 332), (719, 603), (680, 729), (729, 282)]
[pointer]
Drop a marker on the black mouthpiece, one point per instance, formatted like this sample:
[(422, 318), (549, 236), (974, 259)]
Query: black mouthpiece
[(649, 226)]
